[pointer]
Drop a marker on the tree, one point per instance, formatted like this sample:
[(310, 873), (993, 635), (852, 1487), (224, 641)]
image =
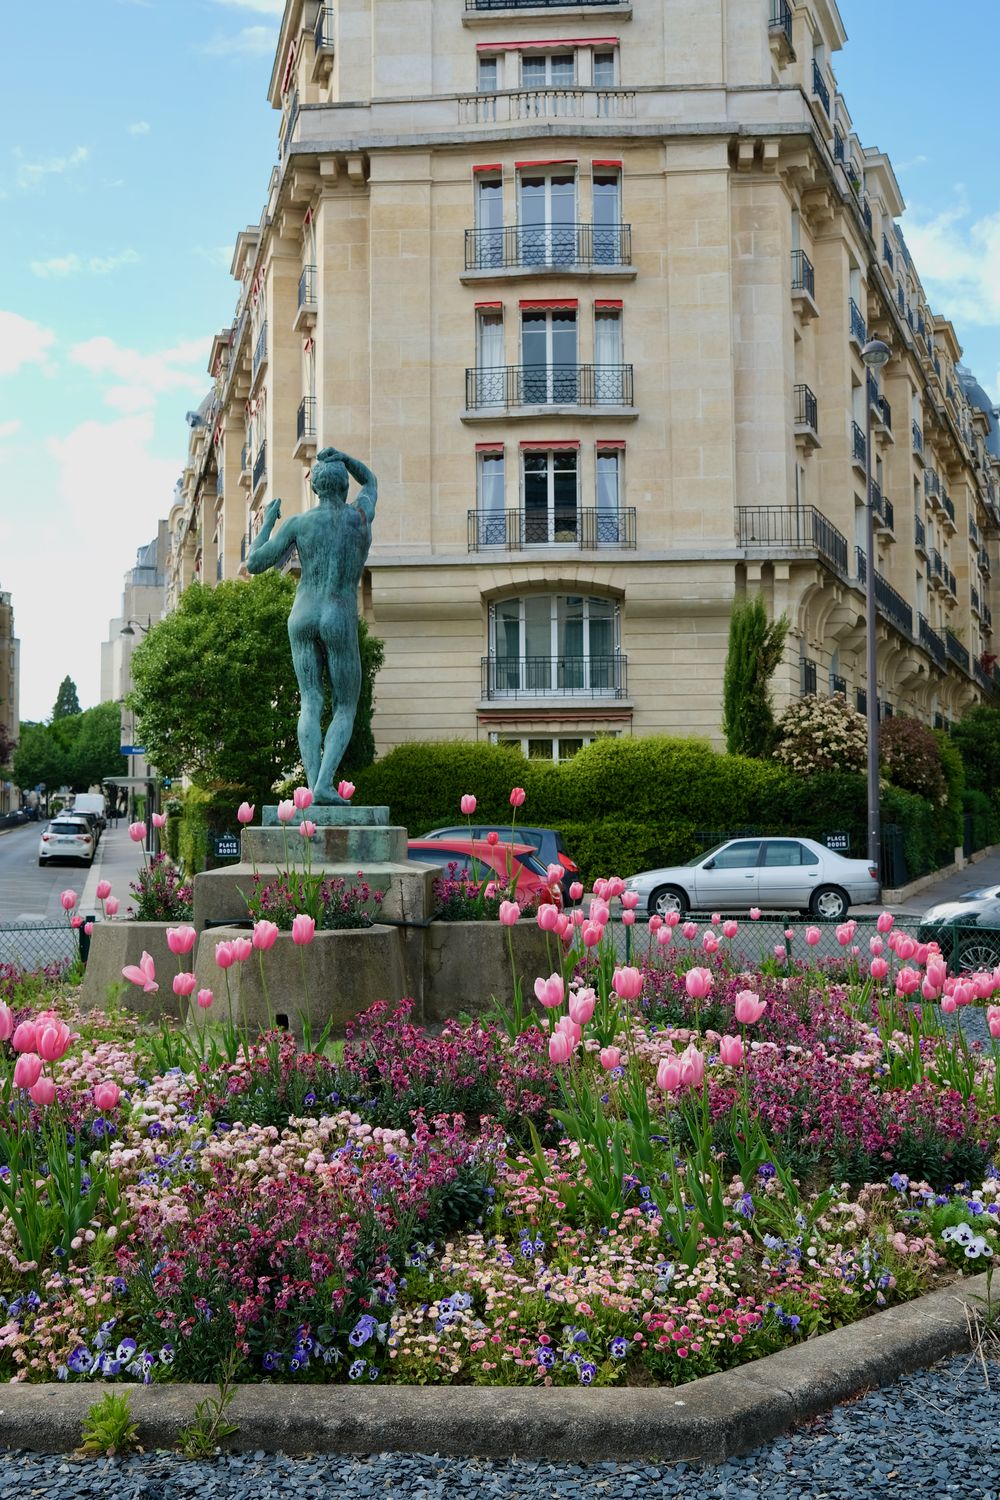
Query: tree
[(215, 693), (910, 755), (755, 648), (78, 750), (977, 736), (7, 744), (67, 702), (822, 734), (96, 753), (38, 759)]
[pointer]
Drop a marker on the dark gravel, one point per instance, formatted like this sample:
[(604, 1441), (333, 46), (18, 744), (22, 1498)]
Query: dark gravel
[(933, 1433)]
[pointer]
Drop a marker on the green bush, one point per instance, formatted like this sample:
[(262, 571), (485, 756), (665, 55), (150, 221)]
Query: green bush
[(915, 818), (205, 814), (985, 822), (948, 827)]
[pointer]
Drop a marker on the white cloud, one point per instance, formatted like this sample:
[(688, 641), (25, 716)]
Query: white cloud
[(8, 429), (252, 41), (262, 7), (31, 174), (139, 127), (60, 266), (958, 259), (103, 265), (136, 379), (909, 164), (57, 266), (22, 342), (220, 256)]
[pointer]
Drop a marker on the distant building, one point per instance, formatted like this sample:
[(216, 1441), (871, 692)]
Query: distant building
[(143, 604), (9, 690)]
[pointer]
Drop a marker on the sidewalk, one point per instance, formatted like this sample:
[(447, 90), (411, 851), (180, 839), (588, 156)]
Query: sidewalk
[(118, 860)]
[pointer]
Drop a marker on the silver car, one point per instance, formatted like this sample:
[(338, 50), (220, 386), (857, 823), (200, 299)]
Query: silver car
[(779, 873)]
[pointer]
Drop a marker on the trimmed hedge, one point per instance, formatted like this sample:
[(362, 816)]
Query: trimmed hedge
[(205, 814), (985, 819)]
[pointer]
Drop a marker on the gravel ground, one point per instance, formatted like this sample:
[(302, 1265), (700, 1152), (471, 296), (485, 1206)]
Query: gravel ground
[(933, 1433)]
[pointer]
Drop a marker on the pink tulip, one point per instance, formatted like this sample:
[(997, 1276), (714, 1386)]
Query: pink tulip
[(615, 887), (664, 936), (964, 992), (789, 933), (879, 968), (554, 874), (570, 1027), (983, 985), (627, 983), (68, 900), (672, 918), (749, 1007), (468, 805), (180, 940), (875, 945), (655, 922), (731, 1051), (204, 998), (885, 921), (730, 928), (111, 905), (27, 1070), (245, 812), (143, 973), (159, 820), (547, 917), (845, 933), (53, 1040), (993, 1019), (907, 982), (6, 1022), (242, 948), (578, 916), (600, 889), (43, 1092), (949, 1004), (301, 798), (628, 918), (76, 921), (24, 1037), (564, 926), (698, 982), (692, 1066), (184, 984), (560, 1048), (611, 1056), (937, 972), (813, 936), (106, 1096), (600, 912), (345, 789), (517, 796), (103, 890), (137, 833), (710, 943), (905, 947), (668, 1075), (929, 991), (303, 929), (581, 1006), (755, 913), (629, 900), (550, 992), (265, 935), (509, 913), (306, 828), (576, 891), (224, 955), (591, 932), (286, 810), (780, 951)]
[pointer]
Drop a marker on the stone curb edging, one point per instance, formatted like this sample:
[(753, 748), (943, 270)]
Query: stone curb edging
[(708, 1421)]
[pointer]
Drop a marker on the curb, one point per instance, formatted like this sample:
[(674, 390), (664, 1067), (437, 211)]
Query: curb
[(708, 1421)]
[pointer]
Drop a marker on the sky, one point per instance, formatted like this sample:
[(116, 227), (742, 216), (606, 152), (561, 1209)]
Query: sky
[(136, 143)]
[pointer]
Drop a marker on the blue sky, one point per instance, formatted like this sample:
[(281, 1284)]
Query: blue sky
[(136, 142)]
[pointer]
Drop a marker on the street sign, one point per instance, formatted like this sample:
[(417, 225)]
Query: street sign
[(840, 843), (226, 846), (132, 749)]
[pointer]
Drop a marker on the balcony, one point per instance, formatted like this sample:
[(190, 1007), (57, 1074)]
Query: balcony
[(932, 484), (588, 528), (499, 389), (888, 602), (866, 212), (548, 247), (806, 416), (515, 105), (838, 685), (977, 608), (808, 677), (795, 528), (820, 88), (859, 447), (305, 425), (935, 566), (932, 642), (981, 675), (973, 532), (861, 701), (513, 677), (259, 354), (887, 254), (306, 309), (838, 145), (259, 468), (219, 485), (288, 125), (987, 619), (489, 5), (918, 441), (950, 581), (804, 285), (882, 512), (919, 535), (779, 21), (324, 39), (984, 562), (949, 510), (859, 332), (245, 462), (956, 651)]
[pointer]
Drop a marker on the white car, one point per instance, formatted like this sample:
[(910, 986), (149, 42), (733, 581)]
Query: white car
[(777, 873), (67, 838)]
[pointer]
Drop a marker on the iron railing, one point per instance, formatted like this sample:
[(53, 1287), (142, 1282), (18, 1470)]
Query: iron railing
[(838, 145), (859, 446), (548, 246), (934, 564), (218, 569), (779, 19), (951, 581), (973, 531), (219, 484), (956, 651), (587, 527), (323, 36), (893, 605), (919, 534), (791, 526), (244, 545), (307, 287), (858, 329), (918, 437), (947, 506), (305, 419), (985, 567), (837, 685), (887, 254), (931, 641), (975, 600), (808, 677), (505, 387), (260, 465), (554, 676), (861, 701), (805, 408), (884, 410), (260, 350), (866, 211), (820, 88), (290, 123), (932, 484), (803, 273)]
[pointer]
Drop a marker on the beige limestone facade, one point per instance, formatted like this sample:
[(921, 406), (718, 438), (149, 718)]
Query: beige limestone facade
[(9, 693), (587, 286)]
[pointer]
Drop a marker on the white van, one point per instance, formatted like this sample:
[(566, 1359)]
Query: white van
[(92, 802)]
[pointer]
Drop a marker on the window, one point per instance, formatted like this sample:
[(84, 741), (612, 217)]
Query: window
[(555, 643), (491, 520), (547, 217), (489, 221), (549, 355), (488, 80), (604, 70), (609, 374), (551, 70), (607, 217), (490, 384), (551, 747), (549, 487), (784, 852), (740, 856), (608, 520)]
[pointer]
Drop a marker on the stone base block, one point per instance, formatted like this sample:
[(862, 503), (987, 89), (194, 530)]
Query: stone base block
[(340, 816), (408, 887), (344, 974), (115, 944), (467, 965), (358, 846)]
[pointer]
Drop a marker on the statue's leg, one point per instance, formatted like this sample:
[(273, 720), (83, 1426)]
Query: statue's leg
[(344, 667), (308, 657)]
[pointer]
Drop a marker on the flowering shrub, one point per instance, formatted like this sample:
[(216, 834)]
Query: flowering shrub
[(822, 734), (331, 902), (160, 893), (911, 758), (459, 896)]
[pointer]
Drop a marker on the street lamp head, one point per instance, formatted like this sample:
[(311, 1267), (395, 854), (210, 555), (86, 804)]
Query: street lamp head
[(875, 354), (126, 630)]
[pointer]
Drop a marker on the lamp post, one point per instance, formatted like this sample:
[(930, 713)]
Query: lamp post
[(874, 355), (129, 629)]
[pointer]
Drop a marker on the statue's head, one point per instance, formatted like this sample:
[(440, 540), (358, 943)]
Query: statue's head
[(330, 479)]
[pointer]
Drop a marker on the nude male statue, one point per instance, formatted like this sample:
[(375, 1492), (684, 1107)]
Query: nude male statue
[(333, 543)]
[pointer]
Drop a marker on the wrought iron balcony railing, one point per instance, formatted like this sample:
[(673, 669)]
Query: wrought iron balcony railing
[(858, 329), (307, 287), (838, 145), (859, 446), (586, 527), (887, 254), (554, 676), (976, 603), (934, 564), (533, 4), (796, 527), (507, 387), (780, 18), (837, 685), (866, 210), (803, 274), (288, 128), (947, 506), (932, 483), (956, 651), (884, 413), (808, 676), (259, 351), (260, 466), (889, 603), (985, 566), (861, 701), (932, 642), (919, 534), (973, 531), (918, 438), (820, 89), (323, 35), (305, 420), (806, 410), (548, 247)]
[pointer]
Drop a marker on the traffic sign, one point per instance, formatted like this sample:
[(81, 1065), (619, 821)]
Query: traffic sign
[(132, 749)]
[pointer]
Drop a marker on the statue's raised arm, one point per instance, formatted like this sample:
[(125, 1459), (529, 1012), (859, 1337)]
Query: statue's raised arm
[(367, 497), (267, 553)]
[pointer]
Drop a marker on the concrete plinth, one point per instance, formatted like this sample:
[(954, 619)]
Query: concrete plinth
[(329, 845), (467, 965), (219, 895), (341, 816), (344, 973), (113, 945)]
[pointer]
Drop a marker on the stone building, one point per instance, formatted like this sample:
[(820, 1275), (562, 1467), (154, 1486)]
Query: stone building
[(143, 604), (9, 693), (587, 285)]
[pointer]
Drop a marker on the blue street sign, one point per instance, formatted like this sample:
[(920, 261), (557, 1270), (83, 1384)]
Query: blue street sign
[(132, 749)]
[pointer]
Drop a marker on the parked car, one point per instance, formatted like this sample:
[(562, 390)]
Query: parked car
[(546, 842), (966, 929), (504, 860), (780, 873), (92, 820), (67, 838), (92, 802)]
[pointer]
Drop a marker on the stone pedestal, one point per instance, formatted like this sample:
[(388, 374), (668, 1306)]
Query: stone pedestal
[(115, 944), (467, 966)]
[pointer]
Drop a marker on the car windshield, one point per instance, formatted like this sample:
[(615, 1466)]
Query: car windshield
[(67, 828), (988, 893), (705, 854)]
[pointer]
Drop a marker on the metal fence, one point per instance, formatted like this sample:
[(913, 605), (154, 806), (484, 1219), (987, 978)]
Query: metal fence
[(31, 946)]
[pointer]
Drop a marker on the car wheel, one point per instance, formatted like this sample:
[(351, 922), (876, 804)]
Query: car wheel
[(977, 954), (41, 864), (667, 898), (830, 903)]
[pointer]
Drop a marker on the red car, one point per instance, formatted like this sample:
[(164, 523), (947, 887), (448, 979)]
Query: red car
[(504, 860)]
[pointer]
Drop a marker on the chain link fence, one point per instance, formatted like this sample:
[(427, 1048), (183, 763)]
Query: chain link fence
[(29, 947)]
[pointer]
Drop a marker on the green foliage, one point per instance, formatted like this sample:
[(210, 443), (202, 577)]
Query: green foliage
[(822, 734), (108, 1426), (977, 736), (204, 815), (200, 1439), (915, 819), (360, 750), (79, 750), (948, 826), (985, 821), (755, 648), (910, 756), (38, 759), (67, 702)]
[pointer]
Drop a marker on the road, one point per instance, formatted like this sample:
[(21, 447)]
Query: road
[(34, 929)]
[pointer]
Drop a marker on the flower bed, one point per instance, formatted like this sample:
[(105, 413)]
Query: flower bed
[(638, 1175)]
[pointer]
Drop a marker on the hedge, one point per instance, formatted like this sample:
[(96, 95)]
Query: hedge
[(204, 815), (985, 819)]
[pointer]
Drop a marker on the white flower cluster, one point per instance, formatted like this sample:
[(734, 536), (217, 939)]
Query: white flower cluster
[(822, 734)]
